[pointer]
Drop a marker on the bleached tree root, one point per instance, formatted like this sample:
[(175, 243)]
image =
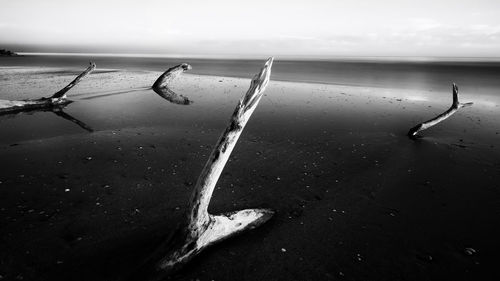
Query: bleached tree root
[(201, 229), (455, 106), (161, 84), (57, 99)]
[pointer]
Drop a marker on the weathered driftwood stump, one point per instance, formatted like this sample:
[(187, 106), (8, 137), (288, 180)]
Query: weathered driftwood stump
[(56, 100), (455, 106), (161, 85), (200, 228)]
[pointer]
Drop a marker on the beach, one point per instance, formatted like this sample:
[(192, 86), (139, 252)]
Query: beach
[(356, 199)]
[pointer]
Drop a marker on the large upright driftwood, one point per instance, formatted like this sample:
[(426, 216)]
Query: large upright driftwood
[(161, 85), (57, 99), (455, 106), (202, 229)]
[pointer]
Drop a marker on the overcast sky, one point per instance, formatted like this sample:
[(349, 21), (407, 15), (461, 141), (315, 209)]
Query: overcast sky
[(257, 27)]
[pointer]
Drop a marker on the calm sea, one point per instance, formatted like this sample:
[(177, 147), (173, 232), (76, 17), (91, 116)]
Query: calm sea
[(476, 77)]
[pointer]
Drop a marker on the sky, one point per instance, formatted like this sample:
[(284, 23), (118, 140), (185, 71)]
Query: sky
[(312, 28)]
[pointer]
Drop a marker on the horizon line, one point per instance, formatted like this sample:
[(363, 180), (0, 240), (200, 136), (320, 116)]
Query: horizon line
[(283, 57)]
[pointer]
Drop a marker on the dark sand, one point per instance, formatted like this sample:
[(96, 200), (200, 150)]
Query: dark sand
[(355, 198)]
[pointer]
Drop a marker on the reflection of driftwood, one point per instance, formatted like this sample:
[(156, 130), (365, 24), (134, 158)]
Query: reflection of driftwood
[(455, 106), (59, 98), (172, 96), (161, 84), (202, 229), (57, 110)]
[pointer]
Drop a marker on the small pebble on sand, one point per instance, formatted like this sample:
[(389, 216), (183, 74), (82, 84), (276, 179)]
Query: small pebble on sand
[(469, 251)]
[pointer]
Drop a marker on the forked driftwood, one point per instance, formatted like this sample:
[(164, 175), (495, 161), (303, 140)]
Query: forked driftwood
[(57, 99), (200, 228), (455, 106), (161, 84)]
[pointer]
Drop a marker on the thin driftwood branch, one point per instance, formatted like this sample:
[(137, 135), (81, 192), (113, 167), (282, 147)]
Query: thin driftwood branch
[(161, 85), (57, 99), (62, 92), (202, 229), (455, 106)]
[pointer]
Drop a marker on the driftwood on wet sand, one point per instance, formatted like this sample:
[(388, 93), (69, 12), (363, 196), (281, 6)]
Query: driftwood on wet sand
[(56, 100), (201, 229), (161, 85), (455, 106)]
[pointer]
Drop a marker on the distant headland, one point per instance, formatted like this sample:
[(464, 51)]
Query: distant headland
[(7, 53)]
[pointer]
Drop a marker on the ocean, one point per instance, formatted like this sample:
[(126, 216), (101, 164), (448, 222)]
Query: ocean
[(474, 76)]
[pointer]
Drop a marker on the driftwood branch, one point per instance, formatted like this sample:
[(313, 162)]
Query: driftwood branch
[(202, 229), (161, 85), (62, 93), (455, 106), (57, 99), (171, 74)]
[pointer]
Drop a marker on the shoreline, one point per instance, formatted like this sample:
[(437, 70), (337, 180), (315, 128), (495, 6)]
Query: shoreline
[(399, 94), (424, 76)]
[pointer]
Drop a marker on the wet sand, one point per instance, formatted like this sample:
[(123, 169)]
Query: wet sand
[(355, 198)]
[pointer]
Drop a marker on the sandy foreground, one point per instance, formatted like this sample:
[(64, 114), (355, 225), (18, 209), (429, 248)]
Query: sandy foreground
[(355, 198)]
